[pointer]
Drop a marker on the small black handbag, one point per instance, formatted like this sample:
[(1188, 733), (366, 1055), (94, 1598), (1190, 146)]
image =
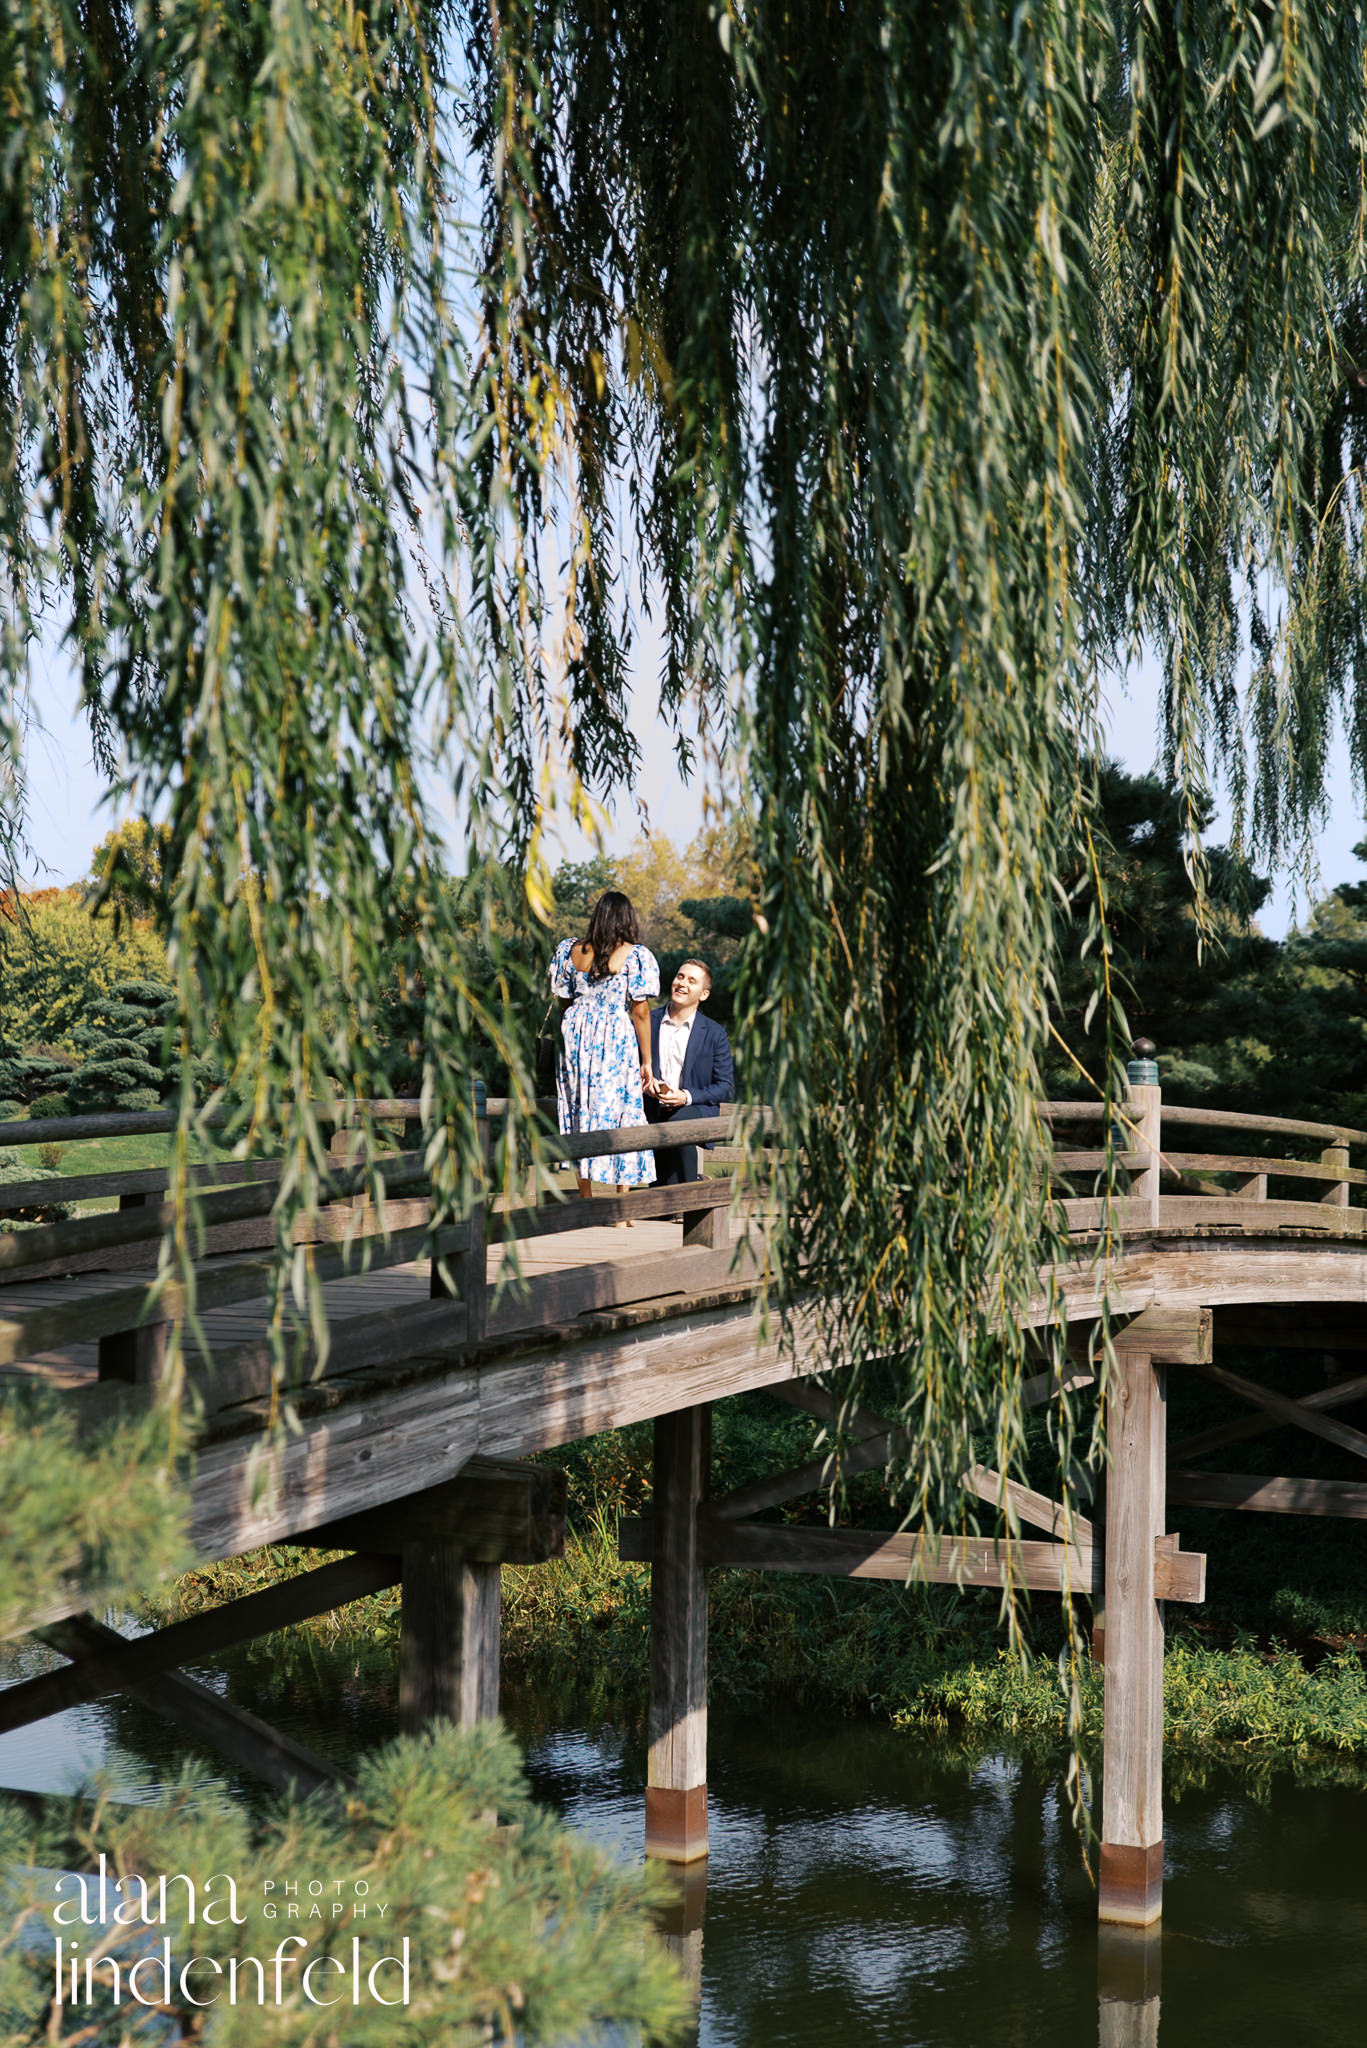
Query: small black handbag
[(547, 1053)]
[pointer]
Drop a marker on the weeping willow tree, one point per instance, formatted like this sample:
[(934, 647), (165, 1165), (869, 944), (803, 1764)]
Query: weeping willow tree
[(915, 361)]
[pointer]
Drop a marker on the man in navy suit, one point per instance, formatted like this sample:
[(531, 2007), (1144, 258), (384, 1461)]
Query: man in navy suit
[(691, 1061)]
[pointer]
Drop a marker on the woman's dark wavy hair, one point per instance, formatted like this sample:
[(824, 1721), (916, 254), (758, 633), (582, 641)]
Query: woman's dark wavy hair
[(612, 923)]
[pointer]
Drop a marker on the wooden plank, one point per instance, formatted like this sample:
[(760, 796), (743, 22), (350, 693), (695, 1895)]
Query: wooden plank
[(1036, 1510), (814, 1400), (939, 1560), (693, 1130), (449, 1637), (242, 1737), (881, 1554), (676, 1774), (1277, 1126), (1171, 1334), (1095, 1161), (808, 1478), (1185, 1212), (131, 1123), (125, 1308), (1254, 1163), (1122, 1212), (1339, 1395), (1297, 1413), (495, 1511), (1261, 1495), (116, 1665), (577, 1213), (1131, 1863), (401, 1437), (147, 1222), (558, 1297)]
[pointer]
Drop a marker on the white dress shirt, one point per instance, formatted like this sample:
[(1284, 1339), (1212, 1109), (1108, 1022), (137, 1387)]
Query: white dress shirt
[(674, 1049)]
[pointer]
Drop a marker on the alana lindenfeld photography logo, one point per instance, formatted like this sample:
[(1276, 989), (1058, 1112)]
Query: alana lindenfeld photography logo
[(108, 1943)]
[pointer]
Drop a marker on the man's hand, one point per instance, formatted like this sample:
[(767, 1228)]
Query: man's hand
[(670, 1098)]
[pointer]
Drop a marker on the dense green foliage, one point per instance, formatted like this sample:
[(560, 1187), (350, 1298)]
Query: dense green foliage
[(916, 366), (59, 961), (517, 1932)]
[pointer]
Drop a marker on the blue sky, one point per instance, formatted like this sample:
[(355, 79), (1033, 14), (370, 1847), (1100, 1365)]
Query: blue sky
[(67, 814)]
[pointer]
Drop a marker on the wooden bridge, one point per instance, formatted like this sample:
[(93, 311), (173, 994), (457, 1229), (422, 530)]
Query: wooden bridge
[(442, 1376)]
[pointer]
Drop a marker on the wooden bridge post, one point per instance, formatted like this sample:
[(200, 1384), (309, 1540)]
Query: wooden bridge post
[(1146, 1117), (1131, 1871), (676, 1789), (449, 1637), (1131, 1865), (137, 1356), (471, 1265)]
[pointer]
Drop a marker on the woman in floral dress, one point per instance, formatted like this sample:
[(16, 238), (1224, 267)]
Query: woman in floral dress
[(605, 982)]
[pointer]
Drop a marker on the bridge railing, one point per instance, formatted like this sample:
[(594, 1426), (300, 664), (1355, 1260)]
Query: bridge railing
[(1140, 1174), (1251, 1173), (349, 1236)]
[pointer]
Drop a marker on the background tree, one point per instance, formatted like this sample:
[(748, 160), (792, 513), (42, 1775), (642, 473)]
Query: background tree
[(130, 868), (59, 959)]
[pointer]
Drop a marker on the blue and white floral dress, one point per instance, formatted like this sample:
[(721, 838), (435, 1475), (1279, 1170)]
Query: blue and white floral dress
[(598, 1074)]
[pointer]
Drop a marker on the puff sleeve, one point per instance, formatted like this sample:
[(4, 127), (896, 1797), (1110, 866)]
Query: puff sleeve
[(643, 974), (562, 970)]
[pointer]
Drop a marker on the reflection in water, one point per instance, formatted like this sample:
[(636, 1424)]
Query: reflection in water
[(918, 1893), (1128, 1981)]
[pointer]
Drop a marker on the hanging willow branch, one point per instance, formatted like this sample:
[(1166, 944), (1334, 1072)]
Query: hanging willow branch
[(916, 360)]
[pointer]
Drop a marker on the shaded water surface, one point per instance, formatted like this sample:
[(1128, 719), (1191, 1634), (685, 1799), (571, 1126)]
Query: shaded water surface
[(881, 1887), (864, 1883)]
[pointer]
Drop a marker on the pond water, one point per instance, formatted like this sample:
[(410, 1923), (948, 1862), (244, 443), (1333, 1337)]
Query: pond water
[(906, 1891)]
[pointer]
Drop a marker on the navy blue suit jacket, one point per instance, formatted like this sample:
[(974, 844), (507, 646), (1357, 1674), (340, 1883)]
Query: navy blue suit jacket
[(708, 1073)]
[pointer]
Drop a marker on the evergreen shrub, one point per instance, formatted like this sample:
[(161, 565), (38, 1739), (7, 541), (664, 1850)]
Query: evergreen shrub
[(51, 1104), (14, 1168)]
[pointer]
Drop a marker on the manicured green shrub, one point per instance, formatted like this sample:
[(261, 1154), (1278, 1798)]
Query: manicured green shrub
[(51, 1104), (14, 1168), (140, 1099), (122, 1037)]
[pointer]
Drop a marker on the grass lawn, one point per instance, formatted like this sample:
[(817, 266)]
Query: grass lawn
[(105, 1155)]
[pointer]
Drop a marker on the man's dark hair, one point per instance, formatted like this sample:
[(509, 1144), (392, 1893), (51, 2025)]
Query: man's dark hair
[(612, 923), (702, 964)]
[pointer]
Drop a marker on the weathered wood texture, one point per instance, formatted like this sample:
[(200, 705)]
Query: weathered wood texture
[(228, 1730), (1131, 1860), (125, 1308), (1341, 1394), (496, 1511), (449, 1637), (938, 1560), (119, 1664), (1036, 1510), (1283, 1409), (676, 1794), (1143, 1133), (1257, 1493), (399, 1436)]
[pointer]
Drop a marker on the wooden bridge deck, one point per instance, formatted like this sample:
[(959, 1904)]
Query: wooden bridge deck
[(613, 1255)]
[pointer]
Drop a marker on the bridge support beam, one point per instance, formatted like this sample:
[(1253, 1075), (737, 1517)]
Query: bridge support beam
[(1131, 1862), (676, 1790), (449, 1638)]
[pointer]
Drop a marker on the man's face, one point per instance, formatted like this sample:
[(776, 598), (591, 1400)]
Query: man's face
[(689, 987)]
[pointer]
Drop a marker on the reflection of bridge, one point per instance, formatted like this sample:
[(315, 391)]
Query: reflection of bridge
[(435, 1386)]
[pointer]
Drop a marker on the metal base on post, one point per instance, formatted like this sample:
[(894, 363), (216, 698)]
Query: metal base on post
[(676, 1823), (1130, 1884)]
